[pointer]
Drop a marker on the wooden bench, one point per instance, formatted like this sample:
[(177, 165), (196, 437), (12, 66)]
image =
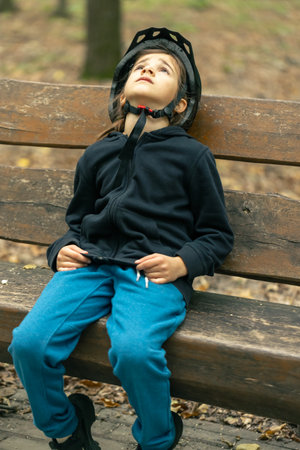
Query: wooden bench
[(232, 352)]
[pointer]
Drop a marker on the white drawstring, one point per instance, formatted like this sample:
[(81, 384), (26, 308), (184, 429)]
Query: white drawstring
[(138, 276)]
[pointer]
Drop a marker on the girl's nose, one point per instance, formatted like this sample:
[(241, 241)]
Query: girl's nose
[(148, 69)]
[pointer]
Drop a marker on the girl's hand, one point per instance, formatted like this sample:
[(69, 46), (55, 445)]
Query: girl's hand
[(70, 257), (161, 269)]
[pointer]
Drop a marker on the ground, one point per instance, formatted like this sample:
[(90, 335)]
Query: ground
[(248, 49)]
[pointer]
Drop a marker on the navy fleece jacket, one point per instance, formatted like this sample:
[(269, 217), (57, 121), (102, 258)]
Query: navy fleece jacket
[(170, 201)]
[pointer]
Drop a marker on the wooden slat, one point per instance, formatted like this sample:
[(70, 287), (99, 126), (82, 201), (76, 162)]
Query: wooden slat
[(72, 116), (236, 353), (267, 237), (266, 227), (51, 115), (266, 131), (33, 203)]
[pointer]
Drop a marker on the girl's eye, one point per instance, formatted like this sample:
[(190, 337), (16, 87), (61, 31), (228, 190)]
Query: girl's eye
[(164, 69), (139, 67)]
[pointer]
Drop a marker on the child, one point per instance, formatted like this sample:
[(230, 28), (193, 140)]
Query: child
[(147, 216)]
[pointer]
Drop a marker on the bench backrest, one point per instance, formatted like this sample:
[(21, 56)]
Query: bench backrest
[(33, 202)]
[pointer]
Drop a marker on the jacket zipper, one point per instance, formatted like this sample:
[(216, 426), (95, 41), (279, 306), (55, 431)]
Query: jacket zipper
[(115, 201)]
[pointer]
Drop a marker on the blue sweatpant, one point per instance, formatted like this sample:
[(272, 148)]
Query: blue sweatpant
[(141, 319)]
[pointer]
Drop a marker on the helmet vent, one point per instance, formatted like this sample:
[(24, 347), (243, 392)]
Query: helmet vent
[(187, 48), (174, 37), (156, 33), (140, 38)]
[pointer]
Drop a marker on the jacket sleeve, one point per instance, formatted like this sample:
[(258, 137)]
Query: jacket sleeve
[(213, 236), (82, 203)]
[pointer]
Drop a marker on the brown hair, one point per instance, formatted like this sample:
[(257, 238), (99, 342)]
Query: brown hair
[(119, 124)]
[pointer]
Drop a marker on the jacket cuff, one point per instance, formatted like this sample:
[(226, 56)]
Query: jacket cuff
[(193, 261)]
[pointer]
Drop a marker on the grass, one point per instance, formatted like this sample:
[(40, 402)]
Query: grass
[(269, 18), (159, 5), (235, 15)]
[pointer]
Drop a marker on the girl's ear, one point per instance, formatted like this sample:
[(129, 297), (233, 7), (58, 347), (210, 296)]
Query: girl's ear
[(122, 100), (181, 106)]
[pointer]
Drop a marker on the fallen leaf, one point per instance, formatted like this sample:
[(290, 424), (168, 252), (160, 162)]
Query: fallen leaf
[(189, 414), (175, 409), (295, 438), (231, 420), (246, 420), (108, 403), (248, 447), (203, 408), (92, 386), (23, 162), (275, 429), (228, 443), (24, 411), (201, 283), (59, 75), (7, 391)]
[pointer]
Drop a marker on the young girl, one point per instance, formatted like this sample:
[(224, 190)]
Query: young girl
[(147, 216)]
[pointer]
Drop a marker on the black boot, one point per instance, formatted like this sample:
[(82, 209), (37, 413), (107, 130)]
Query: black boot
[(178, 431), (81, 439)]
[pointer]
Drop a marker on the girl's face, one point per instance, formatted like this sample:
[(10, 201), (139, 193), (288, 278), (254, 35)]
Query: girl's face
[(153, 81)]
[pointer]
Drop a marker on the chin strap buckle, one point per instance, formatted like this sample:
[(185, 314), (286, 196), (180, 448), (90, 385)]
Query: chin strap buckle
[(148, 111), (155, 113)]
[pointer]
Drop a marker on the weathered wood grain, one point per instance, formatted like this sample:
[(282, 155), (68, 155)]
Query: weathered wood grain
[(267, 232), (237, 353), (72, 116), (33, 203), (51, 115), (250, 129), (267, 237)]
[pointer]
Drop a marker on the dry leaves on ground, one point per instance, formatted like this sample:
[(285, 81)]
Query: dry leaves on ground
[(268, 428), (101, 393), (110, 396)]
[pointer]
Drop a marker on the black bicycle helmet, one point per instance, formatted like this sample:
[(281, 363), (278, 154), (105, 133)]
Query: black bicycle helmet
[(152, 38)]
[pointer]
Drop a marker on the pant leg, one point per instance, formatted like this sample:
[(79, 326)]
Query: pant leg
[(142, 319), (47, 336)]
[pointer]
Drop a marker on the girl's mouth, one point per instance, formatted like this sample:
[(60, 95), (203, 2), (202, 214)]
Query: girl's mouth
[(145, 79)]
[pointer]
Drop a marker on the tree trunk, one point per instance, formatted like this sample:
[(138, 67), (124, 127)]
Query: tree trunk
[(103, 38), (61, 9), (7, 5)]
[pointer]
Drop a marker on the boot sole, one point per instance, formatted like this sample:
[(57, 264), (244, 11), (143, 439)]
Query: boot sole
[(178, 427)]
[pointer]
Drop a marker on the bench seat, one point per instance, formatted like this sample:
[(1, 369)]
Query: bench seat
[(229, 351)]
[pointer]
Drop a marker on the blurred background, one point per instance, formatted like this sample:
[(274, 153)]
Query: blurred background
[(245, 48), (242, 48)]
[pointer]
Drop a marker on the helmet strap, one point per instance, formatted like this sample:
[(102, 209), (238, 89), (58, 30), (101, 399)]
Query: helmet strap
[(155, 113), (126, 153), (143, 111)]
